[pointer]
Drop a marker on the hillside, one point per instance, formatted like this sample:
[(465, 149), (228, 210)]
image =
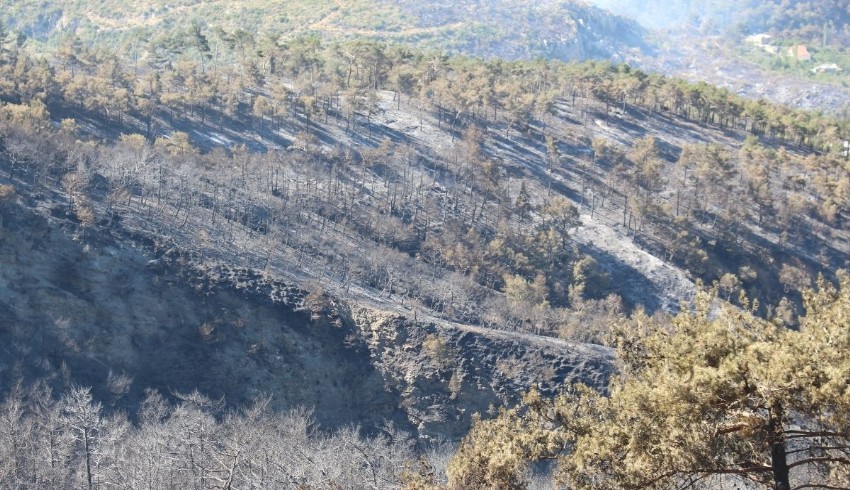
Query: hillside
[(508, 201), (86, 304), (372, 232), (505, 29)]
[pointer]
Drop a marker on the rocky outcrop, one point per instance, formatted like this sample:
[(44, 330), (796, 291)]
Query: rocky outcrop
[(445, 373)]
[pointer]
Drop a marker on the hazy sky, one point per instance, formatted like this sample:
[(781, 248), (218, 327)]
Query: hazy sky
[(655, 13)]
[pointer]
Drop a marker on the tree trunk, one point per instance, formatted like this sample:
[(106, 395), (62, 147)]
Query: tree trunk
[(88, 457), (778, 454)]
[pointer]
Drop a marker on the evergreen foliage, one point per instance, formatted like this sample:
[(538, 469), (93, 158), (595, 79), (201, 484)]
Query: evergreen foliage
[(715, 394)]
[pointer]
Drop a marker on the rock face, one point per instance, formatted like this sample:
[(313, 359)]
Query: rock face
[(77, 305), (445, 373)]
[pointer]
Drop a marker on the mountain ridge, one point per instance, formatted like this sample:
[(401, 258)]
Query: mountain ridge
[(510, 30)]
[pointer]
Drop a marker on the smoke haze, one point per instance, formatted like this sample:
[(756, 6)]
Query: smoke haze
[(661, 14)]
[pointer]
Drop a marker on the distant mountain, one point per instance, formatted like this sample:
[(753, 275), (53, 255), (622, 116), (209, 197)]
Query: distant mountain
[(815, 21), (565, 30)]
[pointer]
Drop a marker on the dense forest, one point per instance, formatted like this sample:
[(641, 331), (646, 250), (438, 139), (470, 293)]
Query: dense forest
[(450, 188)]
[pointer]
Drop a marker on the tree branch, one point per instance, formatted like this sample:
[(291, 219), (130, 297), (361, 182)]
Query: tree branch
[(821, 459), (703, 473), (818, 448), (796, 434), (824, 487)]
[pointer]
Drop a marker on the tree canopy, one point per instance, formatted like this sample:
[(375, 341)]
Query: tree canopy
[(714, 394)]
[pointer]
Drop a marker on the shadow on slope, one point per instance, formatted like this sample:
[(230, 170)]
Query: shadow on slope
[(75, 305)]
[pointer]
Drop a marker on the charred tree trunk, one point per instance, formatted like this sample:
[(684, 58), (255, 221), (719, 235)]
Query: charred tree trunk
[(778, 453)]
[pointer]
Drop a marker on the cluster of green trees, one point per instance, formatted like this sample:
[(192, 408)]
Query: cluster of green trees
[(822, 26), (820, 23)]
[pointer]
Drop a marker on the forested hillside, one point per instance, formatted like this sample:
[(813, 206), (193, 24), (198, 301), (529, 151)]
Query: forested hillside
[(470, 178), (127, 361), (506, 29), (265, 195)]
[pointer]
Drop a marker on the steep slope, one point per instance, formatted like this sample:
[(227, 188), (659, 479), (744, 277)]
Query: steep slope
[(79, 306), (522, 196)]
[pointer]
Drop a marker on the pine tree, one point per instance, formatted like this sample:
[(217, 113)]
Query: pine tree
[(717, 394)]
